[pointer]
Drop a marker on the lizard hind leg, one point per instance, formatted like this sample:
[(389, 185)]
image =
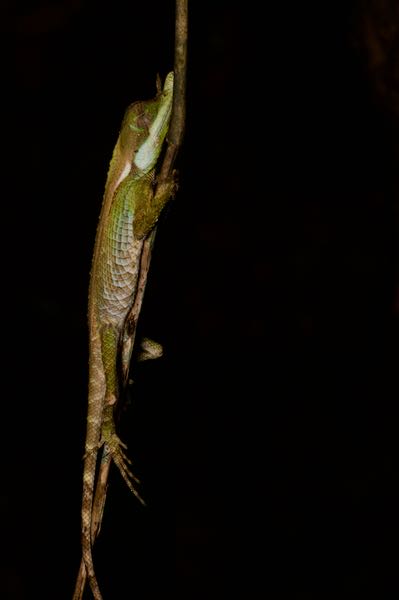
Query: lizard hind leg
[(149, 350), (113, 444), (117, 450)]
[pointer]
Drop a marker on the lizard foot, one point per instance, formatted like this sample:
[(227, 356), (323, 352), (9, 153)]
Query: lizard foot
[(116, 448)]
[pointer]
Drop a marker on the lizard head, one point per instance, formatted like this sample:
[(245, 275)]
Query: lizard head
[(145, 126)]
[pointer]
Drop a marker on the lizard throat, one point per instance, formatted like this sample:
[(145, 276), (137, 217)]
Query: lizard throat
[(149, 150)]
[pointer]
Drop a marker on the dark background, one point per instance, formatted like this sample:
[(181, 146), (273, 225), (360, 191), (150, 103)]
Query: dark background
[(270, 425)]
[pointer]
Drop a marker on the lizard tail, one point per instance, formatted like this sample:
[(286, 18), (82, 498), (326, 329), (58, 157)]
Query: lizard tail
[(88, 493)]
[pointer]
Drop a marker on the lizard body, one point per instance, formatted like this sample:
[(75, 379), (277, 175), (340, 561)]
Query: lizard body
[(129, 212)]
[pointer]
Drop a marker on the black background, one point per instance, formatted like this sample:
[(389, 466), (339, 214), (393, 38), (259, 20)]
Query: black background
[(270, 425)]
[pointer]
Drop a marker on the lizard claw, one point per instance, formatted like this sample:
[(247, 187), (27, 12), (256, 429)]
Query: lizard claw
[(116, 448)]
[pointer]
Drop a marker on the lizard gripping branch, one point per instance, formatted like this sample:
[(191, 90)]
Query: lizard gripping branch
[(129, 212)]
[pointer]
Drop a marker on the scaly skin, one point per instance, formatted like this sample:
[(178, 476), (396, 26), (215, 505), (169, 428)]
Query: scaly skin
[(129, 212)]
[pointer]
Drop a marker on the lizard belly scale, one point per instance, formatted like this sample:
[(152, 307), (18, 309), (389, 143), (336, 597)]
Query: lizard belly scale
[(119, 264)]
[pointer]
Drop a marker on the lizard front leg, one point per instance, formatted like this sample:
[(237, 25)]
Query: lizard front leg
[(149, 206)]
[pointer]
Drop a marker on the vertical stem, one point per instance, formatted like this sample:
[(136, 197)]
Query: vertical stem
[(175, 137), (176, 129)]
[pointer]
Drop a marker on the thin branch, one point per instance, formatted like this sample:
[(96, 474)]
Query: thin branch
[(176, 129), (174, 141)]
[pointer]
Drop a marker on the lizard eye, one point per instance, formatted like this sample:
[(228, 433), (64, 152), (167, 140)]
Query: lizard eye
[(134, 127), (143, 121)]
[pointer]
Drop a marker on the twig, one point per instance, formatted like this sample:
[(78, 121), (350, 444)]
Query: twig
[(176, 129), (174, 140)]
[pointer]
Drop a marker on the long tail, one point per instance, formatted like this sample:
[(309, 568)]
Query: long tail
[(96, 519), (87, 505), (94, 420)]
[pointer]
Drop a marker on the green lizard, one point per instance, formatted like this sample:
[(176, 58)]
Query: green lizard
[(129, 212)]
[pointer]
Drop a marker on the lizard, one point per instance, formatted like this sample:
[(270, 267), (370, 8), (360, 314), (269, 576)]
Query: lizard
[(129, 212)]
